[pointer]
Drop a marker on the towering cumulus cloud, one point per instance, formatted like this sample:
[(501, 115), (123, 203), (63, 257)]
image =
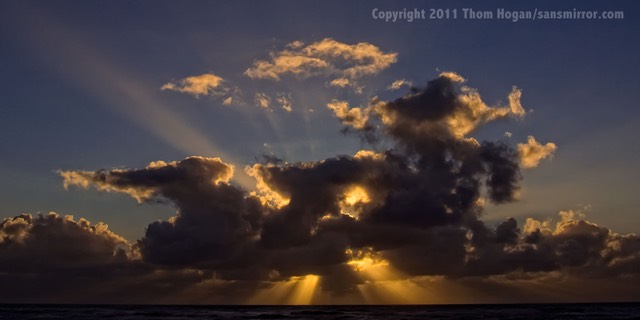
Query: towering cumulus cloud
[(346, 226)]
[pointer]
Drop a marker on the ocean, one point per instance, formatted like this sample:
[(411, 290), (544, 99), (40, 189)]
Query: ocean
[(507, 311)]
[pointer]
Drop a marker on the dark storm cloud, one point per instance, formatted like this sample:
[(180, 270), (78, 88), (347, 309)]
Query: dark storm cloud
[(416, 205)]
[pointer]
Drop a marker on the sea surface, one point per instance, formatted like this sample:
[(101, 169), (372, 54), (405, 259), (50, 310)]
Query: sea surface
[(511, 311)]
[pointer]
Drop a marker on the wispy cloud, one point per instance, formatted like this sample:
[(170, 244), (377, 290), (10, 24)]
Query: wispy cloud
[(396, 85), (204, 84), (327, 57)]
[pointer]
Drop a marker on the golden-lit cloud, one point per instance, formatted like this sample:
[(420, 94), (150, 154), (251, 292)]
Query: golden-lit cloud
[(340, 82), (262, 100), (396, 85), (347, 83), (370, 265), (200, 85), (219, 172), (532, 152), (353, 117), (85, 179), (369, 154), (454, 77), (265, 192), (326, 57), (285, 102), (459, 111), (353, 199)]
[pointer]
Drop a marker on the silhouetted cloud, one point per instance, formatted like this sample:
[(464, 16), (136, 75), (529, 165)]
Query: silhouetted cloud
[(54, 241), (214, 218)]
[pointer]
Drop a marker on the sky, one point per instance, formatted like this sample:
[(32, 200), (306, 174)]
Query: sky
[(289, 152)]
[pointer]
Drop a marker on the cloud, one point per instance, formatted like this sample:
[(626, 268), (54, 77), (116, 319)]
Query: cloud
[(420, 198), (200, 85), (144, 187), (50, 258), (454, 77), (285, 102), (228, 101), (532, 152), (213, 218), (443, 107), (262, 100), (207, 84), (352, 117), (396, 85), (340, 83), (54, 241), (346, 83), (326, 57), (345, 224)]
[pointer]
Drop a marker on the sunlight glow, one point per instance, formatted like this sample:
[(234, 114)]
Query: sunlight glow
[(265, 193), (294, 291), (304, 289), (370, 265), (394, 292), (352, 201), (383, 284), (356, 194)]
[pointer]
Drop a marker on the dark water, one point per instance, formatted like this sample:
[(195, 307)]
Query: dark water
[(525, 311)]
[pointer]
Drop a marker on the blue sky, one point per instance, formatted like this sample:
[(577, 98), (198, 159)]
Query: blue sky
[(81, 90)]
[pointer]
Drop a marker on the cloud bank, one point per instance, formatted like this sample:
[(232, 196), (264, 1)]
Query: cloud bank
[(346, 227)]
